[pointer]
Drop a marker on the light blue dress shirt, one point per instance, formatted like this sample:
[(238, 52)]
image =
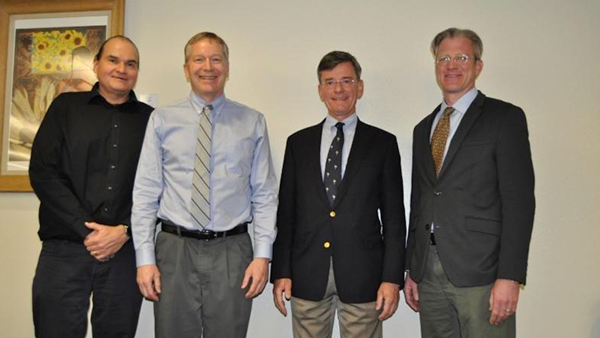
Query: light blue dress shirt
[(460, 108), (243, 181), (329, 132)]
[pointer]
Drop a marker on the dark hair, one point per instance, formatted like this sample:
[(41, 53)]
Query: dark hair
[(457, 32), (334, 58), (205, 36), (122, 37)]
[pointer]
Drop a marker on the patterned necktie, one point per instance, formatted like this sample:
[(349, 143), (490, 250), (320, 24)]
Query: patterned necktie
[(200, 206), (333, 166), (440, 136)]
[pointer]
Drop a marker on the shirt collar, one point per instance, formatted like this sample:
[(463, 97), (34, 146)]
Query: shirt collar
[(464, 102), (198, 103), (349, 122), (95, 95)]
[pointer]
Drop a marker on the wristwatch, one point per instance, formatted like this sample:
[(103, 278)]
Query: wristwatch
[(127, 229)]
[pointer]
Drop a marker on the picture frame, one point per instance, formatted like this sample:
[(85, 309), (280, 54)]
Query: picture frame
[(49, 47)]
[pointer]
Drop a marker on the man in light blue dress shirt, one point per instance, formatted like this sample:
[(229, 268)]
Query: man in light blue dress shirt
[(202, 275)]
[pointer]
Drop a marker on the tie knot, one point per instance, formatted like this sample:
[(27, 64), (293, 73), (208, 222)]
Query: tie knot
[(339, 126), (207, 108), (448, 111)]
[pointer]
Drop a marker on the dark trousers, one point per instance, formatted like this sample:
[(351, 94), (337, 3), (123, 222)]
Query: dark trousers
[(65, 278)]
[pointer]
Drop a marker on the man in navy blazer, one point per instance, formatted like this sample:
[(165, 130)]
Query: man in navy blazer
[(472, 202), (341, 223)]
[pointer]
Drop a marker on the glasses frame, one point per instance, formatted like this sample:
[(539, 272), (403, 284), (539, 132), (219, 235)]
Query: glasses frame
[(460, 59), (346, 82)]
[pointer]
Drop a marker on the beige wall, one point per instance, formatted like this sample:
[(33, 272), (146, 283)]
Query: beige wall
[(541, 55)]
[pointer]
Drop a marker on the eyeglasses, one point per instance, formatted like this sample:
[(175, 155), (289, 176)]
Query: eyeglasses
[(460, 59), (345, 83)]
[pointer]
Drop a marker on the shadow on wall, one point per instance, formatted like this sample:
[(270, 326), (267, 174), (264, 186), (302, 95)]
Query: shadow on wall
[(596, 327)]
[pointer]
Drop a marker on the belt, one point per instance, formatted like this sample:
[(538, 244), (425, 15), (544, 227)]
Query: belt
[(205, 235), (431, 239)]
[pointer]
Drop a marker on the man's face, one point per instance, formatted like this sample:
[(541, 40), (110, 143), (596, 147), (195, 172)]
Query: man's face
[(117, 70), (455, 78), (340, 89), (207, 69)]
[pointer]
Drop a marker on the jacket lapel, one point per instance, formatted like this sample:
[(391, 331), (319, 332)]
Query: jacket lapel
[(360, 146), (463, 129), (425, 145), (313, 157)]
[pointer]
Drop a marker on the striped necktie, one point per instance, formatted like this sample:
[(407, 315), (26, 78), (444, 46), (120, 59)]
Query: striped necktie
[(200, 206), (440, 136)]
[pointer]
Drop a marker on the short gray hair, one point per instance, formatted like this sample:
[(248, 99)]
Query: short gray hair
[(208, 36), (462, 33)]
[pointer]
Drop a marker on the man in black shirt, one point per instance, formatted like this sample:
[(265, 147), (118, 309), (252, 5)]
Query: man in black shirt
[(83, 164)]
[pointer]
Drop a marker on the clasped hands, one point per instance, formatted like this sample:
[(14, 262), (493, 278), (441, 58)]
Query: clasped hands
[(104, 241)]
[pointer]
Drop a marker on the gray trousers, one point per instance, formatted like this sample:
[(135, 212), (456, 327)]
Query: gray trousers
[(315, 319), (447, 311), (201, 294)]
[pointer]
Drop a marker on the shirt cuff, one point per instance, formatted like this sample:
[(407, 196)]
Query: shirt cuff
[(145, 257), (263, 250)]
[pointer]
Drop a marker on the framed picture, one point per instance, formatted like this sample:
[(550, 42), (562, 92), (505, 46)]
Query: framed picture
[(50, 46)]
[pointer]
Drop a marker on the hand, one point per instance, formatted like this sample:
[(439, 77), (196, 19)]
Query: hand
[(282, 286), (387, 299), (148, 279), (256, 276), (105, 241), (503, 300), (411, 293)]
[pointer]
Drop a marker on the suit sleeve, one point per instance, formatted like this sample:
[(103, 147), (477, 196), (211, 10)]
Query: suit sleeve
[(49, 180), (393, 217), (415, 197), (516, 186), (281, 266)]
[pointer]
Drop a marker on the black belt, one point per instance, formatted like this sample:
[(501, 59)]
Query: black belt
[(205, 235), (431, 239)]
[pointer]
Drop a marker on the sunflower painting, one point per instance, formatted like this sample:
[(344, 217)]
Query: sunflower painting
[(48, 62)]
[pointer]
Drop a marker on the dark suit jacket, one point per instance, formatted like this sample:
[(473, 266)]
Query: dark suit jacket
[(482, 203), (363, 254)]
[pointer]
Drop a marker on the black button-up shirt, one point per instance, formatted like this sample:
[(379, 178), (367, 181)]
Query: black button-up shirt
[(83, 163)]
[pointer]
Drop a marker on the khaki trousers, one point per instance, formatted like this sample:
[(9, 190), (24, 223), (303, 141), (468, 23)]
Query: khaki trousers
[(447, 311), (315, 319)]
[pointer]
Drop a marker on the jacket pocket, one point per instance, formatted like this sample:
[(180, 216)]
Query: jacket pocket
[(473, 142), (372, 241), (487, 226)]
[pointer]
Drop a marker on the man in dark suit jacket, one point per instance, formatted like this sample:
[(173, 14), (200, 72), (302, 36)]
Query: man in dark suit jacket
[(472, 202), (332, 246)]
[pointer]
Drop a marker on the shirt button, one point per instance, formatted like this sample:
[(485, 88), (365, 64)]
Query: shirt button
[(109, 188), (332, 214), (326, 245), (437, 193), (106, 209), (115, 145), (113, 167), (115, 126)]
